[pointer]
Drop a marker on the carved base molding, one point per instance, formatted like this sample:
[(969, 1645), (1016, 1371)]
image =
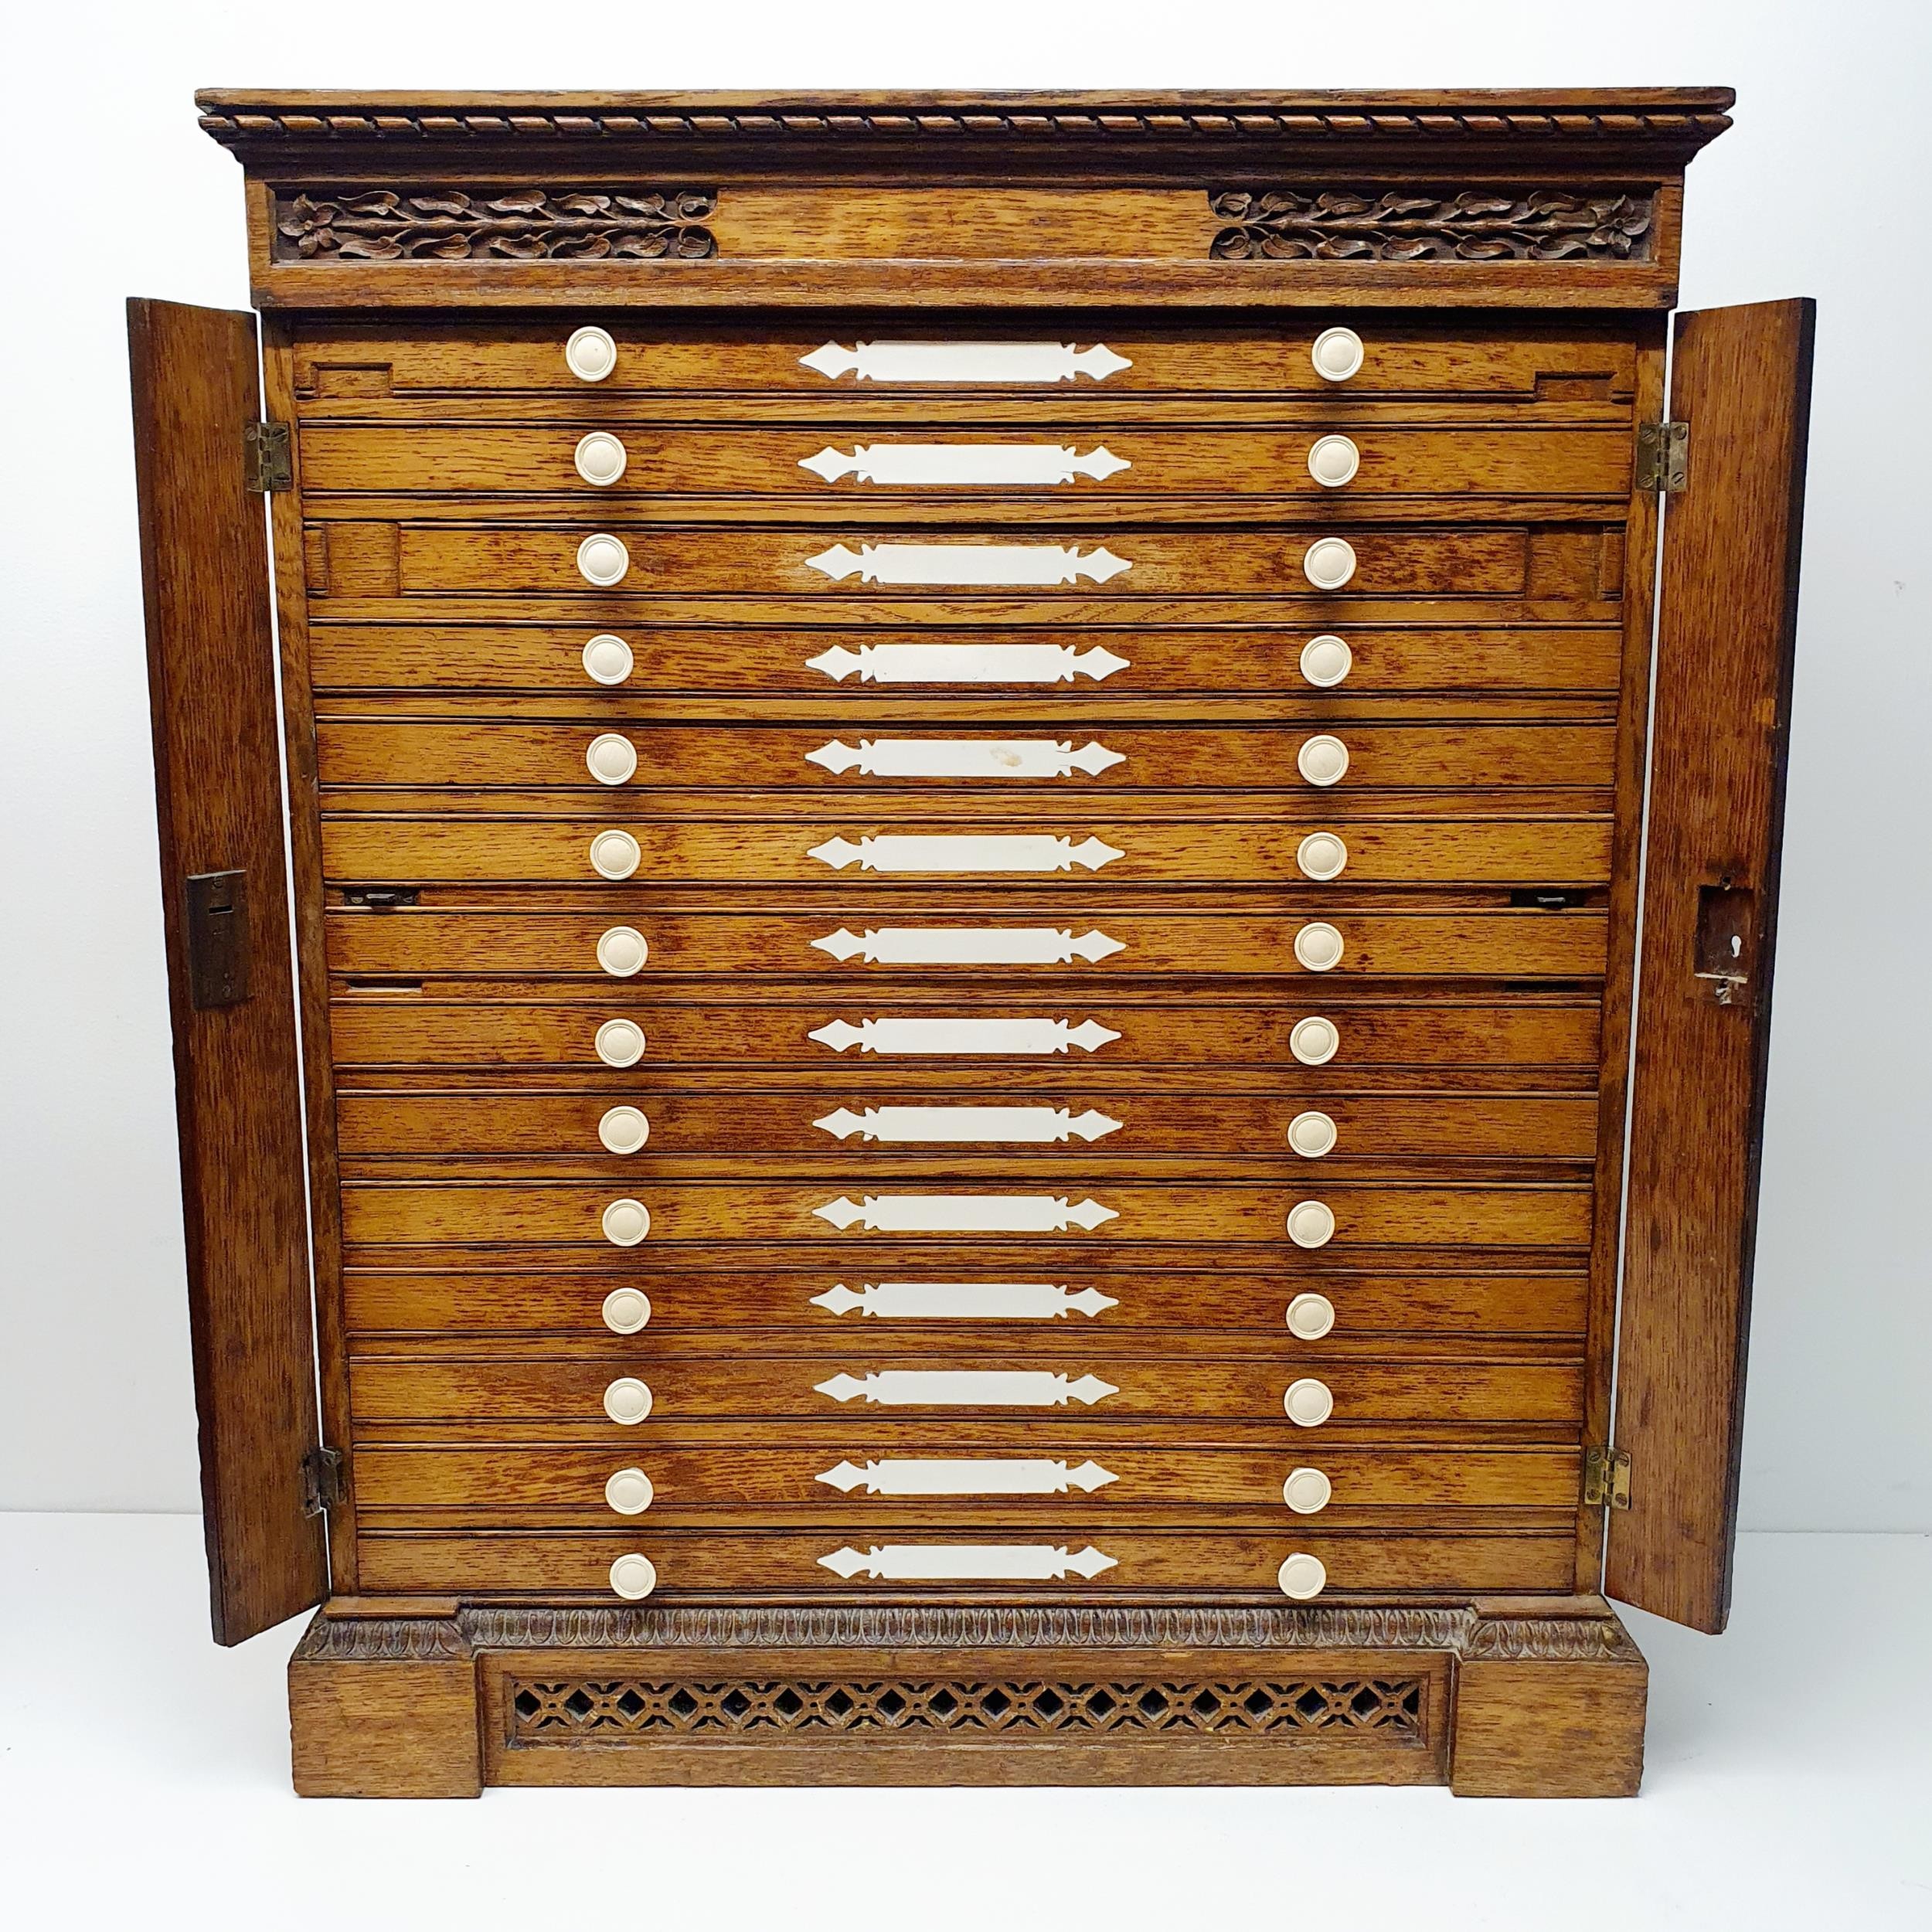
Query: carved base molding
[(1495, 1698)]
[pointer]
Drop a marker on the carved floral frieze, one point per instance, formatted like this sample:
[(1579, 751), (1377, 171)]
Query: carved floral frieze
[(1399, 225), (517, 224)]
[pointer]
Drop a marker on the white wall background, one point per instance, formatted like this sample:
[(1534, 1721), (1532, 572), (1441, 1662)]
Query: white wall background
[(111, 190)]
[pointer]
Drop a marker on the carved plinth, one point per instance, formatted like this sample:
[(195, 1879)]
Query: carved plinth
[(1493, 1698)]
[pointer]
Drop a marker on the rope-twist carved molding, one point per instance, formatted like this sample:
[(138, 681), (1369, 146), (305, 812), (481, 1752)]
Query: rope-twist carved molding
[(1472, 225), (453, 224), (248, 123)]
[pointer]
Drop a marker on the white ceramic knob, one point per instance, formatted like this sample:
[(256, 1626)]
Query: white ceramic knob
[(1323, 760), (623, 1130), (602, 559), (591, 354), (608, 660), (1319, 946), (1301, 1576), (620, 1042), (1311, 1224), (614, 854), (1325, 660), (636, 1575), (1308, 1402), (1321, 855), (1311, 1317), (1328, 563), (600, 458), (1332, 461), (622, 951), (1311, 1135), (626, 1311), (626, 1222), (1313, 1041), (630, 1494), (1337, 354), (627, 1400), (612, 758), (1306, 1491)]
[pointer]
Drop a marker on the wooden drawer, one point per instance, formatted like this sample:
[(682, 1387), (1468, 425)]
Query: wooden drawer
[(1078, 849), (1106, 943), (402, 1029), (1070, 1125), (346, 369), (1071, 669), (1073, 1299), (854, 462), (1059, 1390), (954, 1216), (948, 763), (1065, 563), (768, 1472), (786, 1565)]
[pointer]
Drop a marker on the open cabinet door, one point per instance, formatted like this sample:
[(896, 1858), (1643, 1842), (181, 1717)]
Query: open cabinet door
[(1727, 596), (211, 675)]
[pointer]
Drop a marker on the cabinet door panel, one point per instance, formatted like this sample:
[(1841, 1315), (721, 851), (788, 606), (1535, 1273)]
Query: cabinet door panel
[(1728, 602), (211, 662)]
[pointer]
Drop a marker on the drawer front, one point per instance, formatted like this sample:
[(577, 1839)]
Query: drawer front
[(1036, 1041), (1105, 1212), (1064, 461), (874, 1476), (1066, 1301), (1068, 562), (1074, 848), (951, 762), (347, 370), (1051, 1563), (1071, 669), (1106, 943), (1071, 1125), (1098, 1388)]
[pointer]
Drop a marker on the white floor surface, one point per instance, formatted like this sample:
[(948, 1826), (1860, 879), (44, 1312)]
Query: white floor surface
[(144, 1783)]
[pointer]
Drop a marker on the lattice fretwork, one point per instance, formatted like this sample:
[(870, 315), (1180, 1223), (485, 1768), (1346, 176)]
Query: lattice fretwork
[(612, 1710)]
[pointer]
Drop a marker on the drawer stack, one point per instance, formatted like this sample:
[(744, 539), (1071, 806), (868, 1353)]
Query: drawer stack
[(968, 968)]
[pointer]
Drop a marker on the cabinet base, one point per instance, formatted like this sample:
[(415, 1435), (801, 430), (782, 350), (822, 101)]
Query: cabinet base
[(1497, 1697)]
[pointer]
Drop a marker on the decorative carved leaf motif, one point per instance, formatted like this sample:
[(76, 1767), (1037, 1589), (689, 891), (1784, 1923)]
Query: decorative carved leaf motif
[(523, 224), (1537, 224)]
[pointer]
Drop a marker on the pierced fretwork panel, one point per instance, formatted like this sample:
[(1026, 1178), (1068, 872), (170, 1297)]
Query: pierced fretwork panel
[(610, 1710)]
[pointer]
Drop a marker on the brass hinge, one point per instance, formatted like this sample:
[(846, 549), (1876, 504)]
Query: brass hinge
[(322, 1483), (268, 459), (1663, 457), (1606, 1478)]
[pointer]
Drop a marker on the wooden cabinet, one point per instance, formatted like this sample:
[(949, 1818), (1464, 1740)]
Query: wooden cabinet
[(968, 784)]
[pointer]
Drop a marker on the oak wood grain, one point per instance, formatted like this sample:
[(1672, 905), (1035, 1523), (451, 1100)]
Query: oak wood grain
[(211, 666), (1741, 378)]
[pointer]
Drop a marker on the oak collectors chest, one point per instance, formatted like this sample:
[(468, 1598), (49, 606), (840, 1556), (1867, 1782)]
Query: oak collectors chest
[(963, 1091)]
